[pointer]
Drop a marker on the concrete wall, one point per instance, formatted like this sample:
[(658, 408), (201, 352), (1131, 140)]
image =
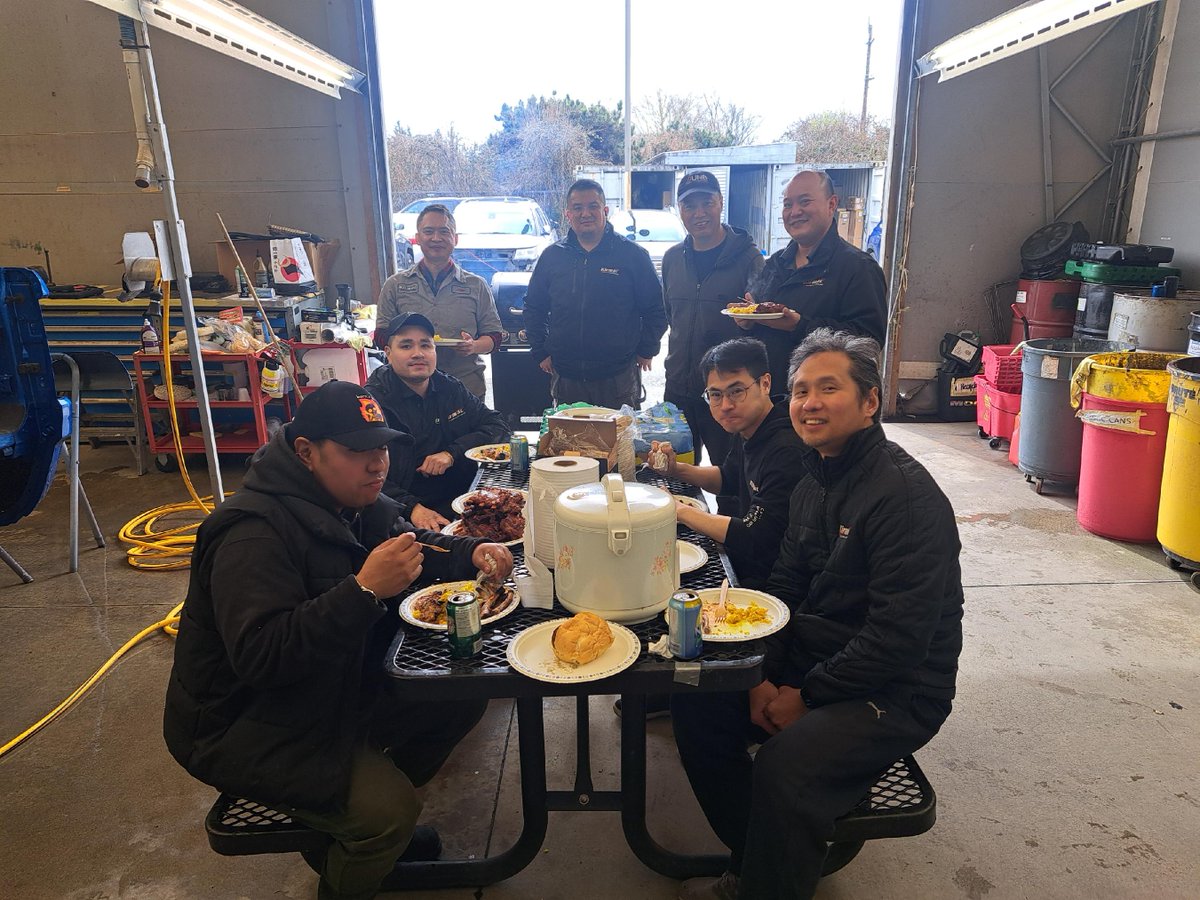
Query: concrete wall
[(979, 184), (1172, 212), (245, 143)]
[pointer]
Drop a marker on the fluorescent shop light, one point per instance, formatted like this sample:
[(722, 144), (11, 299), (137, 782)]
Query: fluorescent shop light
[(1029, 25), (235, 31)]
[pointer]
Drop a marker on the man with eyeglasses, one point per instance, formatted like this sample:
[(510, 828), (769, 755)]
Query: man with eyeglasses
[(457, 302), (763, 465)]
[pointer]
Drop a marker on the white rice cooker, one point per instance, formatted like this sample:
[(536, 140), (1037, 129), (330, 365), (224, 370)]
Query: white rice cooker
[(614, 548)]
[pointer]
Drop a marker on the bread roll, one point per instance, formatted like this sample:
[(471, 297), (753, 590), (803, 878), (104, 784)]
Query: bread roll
[(581, 638)]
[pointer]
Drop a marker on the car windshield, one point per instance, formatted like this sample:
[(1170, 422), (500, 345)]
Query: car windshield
[(494, 218), (419, 205), (660, 227)]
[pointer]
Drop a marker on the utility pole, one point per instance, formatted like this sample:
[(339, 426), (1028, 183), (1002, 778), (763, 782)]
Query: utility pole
[(862, 124)]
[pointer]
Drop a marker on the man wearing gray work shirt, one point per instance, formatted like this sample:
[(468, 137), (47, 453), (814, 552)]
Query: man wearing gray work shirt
[(457, 302)]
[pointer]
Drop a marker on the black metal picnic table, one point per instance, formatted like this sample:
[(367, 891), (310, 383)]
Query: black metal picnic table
[(421, 658)]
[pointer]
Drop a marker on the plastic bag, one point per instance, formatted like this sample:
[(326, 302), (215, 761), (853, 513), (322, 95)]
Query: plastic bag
[(662, 422)]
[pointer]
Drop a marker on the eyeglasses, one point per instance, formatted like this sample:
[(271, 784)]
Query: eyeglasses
[(736, 394)]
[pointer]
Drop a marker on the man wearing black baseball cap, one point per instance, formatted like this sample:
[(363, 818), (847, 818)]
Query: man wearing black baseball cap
[(713, 266), (277, 692), (444, 418)]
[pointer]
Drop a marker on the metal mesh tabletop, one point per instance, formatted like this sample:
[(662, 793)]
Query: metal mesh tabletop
[(422, 653)]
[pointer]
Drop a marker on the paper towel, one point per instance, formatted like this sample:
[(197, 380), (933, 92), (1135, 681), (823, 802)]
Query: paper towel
[(549, 477)]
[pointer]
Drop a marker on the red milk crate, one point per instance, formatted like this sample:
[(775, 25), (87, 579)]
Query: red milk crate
[(1001, 369), (995, 410)]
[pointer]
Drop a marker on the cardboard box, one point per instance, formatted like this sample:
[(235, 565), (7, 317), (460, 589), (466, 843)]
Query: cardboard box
[(593, 436)]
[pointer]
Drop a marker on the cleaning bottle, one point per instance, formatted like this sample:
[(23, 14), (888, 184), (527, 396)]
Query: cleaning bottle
[(272, 378), (150, 342), (243, 285), (260, 272)]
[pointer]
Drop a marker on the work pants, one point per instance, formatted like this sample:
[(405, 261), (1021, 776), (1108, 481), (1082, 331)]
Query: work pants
[(776, 812), (622, 389), (407, 745)]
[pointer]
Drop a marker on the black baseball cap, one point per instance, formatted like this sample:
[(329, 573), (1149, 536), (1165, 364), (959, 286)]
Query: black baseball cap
[(384, 333), (343, 412), (697, 183)]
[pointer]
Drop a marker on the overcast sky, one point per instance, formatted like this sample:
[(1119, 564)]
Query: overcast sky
[(455, 63)]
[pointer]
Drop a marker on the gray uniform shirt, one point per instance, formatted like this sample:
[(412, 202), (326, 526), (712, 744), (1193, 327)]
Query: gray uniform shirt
[(463, 303)]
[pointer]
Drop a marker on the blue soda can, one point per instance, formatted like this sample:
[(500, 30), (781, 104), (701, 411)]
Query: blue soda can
[(518, 453), (683, 625)]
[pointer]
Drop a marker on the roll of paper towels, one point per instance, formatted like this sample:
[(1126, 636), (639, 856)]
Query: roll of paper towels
[(549, 477)]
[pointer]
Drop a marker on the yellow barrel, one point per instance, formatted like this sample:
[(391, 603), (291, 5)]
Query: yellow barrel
[(1178, 510)]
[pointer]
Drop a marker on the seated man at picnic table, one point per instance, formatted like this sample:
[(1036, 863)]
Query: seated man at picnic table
[(277, 692), (762, 468), (444, 419), (865, 671)]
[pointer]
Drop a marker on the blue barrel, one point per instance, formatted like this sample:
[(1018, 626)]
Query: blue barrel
[(1051, 436)]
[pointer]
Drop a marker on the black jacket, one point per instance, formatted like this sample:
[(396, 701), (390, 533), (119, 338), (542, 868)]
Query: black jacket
[(694, 307), (593, 312), (869, 565), (449, 417), (761, 472), (279, 651), (840, 287)]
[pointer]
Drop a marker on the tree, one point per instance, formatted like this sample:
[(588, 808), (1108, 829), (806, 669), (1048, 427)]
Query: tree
[(420, 164), (836, 136), (668, 122), (603, 128), (540, 155)]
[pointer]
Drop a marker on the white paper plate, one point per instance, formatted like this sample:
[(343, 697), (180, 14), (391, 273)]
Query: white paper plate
[(759, 316), (454, 529), (691, 556), (690, 501), (448, 342), (406, 604), (457, 503), (475, 454), (531, 654), (775, 607)]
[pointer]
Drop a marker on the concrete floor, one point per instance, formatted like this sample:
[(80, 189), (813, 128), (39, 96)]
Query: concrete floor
[(1069, 768)]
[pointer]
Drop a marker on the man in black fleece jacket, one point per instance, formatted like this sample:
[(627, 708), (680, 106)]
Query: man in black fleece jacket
[(865, 671), (277, 692), (711, 268), (594, 308), (762, 466)]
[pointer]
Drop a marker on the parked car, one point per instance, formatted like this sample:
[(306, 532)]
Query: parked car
[(501, 234), (404, 225), (654, 229)]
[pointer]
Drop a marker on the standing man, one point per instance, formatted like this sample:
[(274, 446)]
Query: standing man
[(864, 673), (713, 266), (761, 468), (457, 302), (822, 280), (444, 419), (277, 692), (594, 309)]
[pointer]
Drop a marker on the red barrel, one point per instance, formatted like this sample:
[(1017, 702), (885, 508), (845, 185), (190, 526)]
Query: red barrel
[(1048, 305), (1123, 400)]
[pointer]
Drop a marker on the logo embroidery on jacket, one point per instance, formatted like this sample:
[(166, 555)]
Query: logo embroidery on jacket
[(816, 282), (753, 486), (460, 289), (408, 287), (843, 531), (454, 415), (609, 270)]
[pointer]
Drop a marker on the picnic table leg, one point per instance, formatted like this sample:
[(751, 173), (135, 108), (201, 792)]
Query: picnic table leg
[(477, 872), (633, 803)]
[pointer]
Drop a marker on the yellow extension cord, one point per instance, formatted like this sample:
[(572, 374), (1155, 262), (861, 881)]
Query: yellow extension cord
[(149, 549)]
